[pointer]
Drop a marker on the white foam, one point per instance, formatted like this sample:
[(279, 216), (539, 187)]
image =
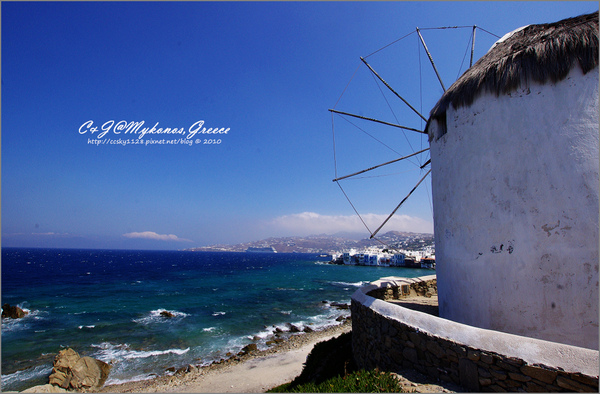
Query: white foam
[(156, 316), (218, 313), (10, 325), (136, 378), (25, 374), (344, 284), (145, 354), (109, 352)]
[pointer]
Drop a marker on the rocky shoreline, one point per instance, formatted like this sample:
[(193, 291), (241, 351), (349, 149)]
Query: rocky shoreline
[(254, 370), (189, 374)]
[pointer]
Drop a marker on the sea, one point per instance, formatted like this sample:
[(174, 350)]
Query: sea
[(109, 304)]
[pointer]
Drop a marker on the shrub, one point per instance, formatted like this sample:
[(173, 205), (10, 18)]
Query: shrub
[(330, 368), (357, 382)]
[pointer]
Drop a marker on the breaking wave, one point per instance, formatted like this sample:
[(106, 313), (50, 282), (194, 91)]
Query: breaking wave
[(348, 284), (109, 352), (160, 316), (25, 374)]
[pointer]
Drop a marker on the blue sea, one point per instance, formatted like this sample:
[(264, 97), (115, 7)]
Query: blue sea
[(107, 304)]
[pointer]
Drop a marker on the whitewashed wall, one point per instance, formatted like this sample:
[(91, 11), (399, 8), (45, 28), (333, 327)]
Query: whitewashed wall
[(515, 195)]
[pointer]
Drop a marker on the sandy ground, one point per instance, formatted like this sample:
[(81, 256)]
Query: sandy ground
[(259, 371)]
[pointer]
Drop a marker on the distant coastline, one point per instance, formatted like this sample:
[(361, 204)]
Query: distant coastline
[(266, 249), (326, 244)]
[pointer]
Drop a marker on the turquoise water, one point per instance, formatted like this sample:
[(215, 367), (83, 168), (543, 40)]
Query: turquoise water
[(107, 305)]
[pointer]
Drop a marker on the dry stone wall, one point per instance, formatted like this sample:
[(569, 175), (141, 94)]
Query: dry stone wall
[(391, 337)]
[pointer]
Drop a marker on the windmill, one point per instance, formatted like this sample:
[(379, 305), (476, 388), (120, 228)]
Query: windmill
[(399, 125)]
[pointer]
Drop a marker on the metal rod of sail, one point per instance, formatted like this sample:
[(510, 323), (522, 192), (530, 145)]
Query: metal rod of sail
[(393, 91), (378, 121), (431, 59), (472, 46), (380, 165), (399, 205)]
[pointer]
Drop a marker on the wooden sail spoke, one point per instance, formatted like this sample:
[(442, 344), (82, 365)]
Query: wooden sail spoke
[(377, 121), (380, 165), (392, 90), (399, 205), (431, 59), (472, 46)]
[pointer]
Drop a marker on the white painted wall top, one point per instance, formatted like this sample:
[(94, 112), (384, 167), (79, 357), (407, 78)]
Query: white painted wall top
[(533, 351)]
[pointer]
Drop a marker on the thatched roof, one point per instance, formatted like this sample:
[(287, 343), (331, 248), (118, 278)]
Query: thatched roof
[(540, 53)]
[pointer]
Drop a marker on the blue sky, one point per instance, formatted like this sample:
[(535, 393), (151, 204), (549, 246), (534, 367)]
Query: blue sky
[(268, 72)]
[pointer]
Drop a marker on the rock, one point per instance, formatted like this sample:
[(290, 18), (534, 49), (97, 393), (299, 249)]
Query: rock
[(167, 314), (89, 373), (539, 373), (339, 305), (571, 385), (64, 361), (249, 348), (59, 379), (182, 370), (308, 329), (70, 371), (45, 388), (468, 374), (13, 312), (293, 328)]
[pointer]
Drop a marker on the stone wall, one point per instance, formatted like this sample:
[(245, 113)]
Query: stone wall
[(406, 288), (390, 337)]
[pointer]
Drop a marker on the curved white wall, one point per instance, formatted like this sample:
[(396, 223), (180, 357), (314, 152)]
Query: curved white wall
[(515, 195)]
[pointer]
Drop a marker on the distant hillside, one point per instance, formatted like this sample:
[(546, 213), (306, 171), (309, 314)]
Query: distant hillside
[(327, 243)]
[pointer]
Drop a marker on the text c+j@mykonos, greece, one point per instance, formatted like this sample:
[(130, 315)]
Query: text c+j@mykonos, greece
[(124, 127)]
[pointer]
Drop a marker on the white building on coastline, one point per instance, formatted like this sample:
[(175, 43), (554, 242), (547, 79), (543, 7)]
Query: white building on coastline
[(376, 257)]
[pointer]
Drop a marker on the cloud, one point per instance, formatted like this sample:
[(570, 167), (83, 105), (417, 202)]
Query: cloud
[(155, 236), (51, 234), (307, 223)]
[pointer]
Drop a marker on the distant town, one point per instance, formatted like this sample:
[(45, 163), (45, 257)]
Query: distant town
[(422, 244)]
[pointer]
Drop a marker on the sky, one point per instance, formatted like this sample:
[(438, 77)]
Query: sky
[(264, 74)]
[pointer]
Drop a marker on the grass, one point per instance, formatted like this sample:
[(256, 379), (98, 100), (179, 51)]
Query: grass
[(356, 382), (330, 368)]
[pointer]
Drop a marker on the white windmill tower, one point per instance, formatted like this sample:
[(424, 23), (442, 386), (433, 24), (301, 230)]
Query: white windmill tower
[(514, 169), (514, 158)]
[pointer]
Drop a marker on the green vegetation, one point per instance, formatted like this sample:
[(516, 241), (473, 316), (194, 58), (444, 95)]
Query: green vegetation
[(357, 382), (330, 368)]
